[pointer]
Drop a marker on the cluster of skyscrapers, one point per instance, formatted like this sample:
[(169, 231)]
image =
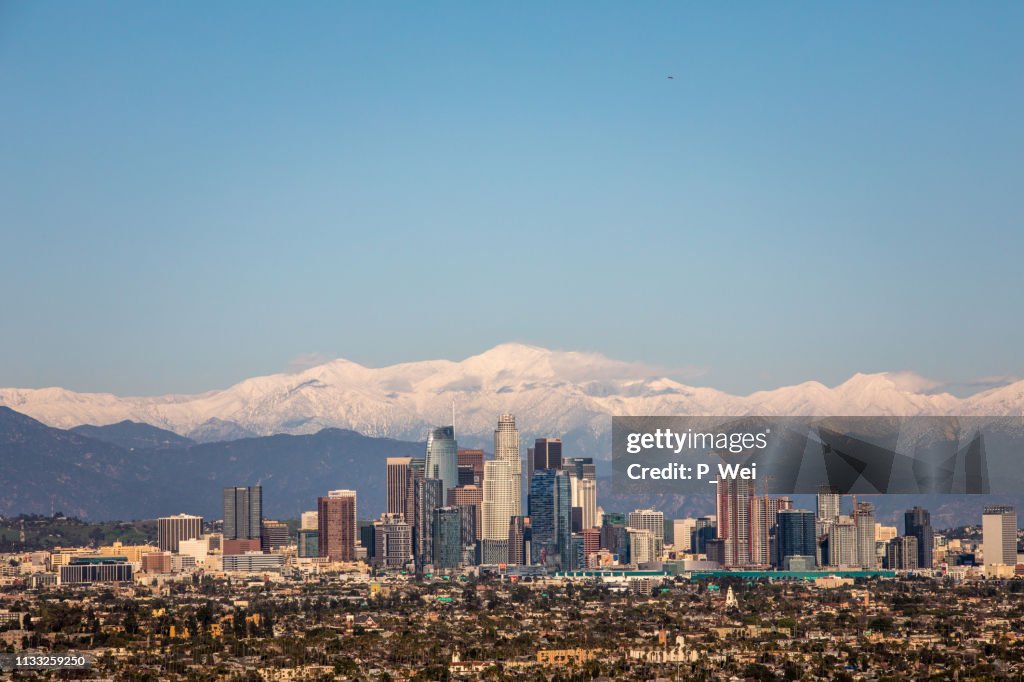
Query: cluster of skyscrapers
[(454, 507)]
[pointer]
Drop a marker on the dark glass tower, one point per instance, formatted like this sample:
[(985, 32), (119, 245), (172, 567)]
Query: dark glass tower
[(917, 522), (243, 512), (447, 537), (550, 506), (546, 454), (795, 534)]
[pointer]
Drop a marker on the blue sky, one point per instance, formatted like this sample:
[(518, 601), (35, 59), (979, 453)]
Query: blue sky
[(193, 193)]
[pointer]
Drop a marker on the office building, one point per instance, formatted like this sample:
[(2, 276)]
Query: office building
[(591, 543), (89, 570), (584, 498), (157, 562), (309, 543), (474, 459), (829, 502), (615, 539), (999, 535), (368, 539), (502, 490), (198, 548), (580, 467), (839, 545), (917, 522), (643, 547), (682, 530), (733, 497), (763, 514), (653, 521), (550, 507), (430, 496), (275, 534), (417, 469), (469, 520), (472, 497), (705, 528), (170, 530), (901, 553), (309, 521), (396, 484), (864, 521), (546, 453), (446, 543), (393, 538), (796, 536), (241, 546), (442, 460), (253, 562), (336, 515), (516, 540), (243, 512)]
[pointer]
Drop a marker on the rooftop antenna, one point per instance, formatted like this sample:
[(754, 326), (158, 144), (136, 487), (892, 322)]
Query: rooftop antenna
[(453, 415)]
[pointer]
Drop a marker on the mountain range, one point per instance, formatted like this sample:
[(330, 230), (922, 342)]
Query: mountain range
[(570, 394), (135, 471), (130, 471)]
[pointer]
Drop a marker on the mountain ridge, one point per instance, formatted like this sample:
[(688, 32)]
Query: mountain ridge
[(550, 392)]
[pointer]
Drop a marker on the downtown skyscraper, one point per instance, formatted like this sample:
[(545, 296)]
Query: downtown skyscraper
[(917, 523), (243, 512), (502, 491), (796, 538), (550, 504), (397, 484), (864, 522), (999, 535), (442, 460), (338, 527), (733, 504), (546, 453)]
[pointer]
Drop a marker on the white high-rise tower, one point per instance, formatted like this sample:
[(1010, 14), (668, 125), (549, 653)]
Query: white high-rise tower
[(502, 490)]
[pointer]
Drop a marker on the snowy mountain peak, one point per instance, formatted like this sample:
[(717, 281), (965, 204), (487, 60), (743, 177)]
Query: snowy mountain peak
[(552, 392)]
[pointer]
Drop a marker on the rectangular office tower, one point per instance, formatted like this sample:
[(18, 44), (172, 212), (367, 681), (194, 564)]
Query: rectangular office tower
[(917, 523), (397, 482), (999, 535), (337, 518), (171, 530), (546, 453), (474, 459), (796, 538), (733, 510), (243, 512)]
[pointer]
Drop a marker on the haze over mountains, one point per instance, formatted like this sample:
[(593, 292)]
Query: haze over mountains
[(551, 393)]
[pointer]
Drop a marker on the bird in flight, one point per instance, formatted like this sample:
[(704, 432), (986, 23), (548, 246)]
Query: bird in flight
[(671, 78)]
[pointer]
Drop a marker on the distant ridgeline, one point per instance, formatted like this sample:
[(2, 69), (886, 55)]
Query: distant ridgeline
[(135, 471)]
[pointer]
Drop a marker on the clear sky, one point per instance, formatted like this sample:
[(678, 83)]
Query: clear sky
[(192, 193)]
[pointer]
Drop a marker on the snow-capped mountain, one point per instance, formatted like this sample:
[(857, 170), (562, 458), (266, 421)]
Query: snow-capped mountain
[(550, 392)]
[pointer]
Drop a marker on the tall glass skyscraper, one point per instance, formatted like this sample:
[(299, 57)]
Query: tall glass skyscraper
[(864, 520), (550, 506), (795, 535), (447, 537), (733, 511), (243, 512), (917, 523), (430, 497), (442, 461)]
